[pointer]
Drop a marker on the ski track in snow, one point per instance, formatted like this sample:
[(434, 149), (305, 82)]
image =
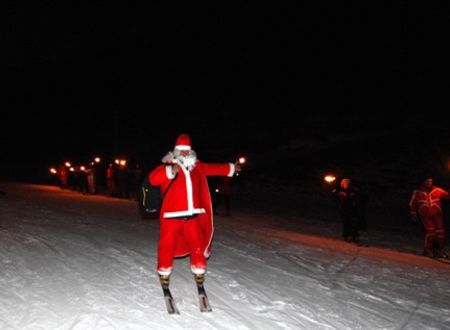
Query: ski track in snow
[(71, 261)]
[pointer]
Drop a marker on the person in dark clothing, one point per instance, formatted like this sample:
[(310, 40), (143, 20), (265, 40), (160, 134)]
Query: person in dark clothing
[(349, 210), (111, 180), (222, 196), (122, 180), (91, 173), (82, 179), (138, 177)]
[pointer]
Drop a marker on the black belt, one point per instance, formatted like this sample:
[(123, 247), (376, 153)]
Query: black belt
[(188, 217)]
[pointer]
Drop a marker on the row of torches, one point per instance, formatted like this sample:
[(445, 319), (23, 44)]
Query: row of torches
[(329, 178), (120, 162), (97, 160)]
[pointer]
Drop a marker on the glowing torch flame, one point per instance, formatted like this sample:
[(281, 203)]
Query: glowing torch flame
[(242, 160), (123, 162), (53, 170), (97, 159), (68, 164), (330, 178)]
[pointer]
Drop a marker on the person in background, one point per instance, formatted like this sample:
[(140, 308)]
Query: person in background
[(91, 173), (138, 177), (122, 181), (426, 205), (349, 205), (111, 180), (186, 225), (223, 195), (82, 179), (64, 177)]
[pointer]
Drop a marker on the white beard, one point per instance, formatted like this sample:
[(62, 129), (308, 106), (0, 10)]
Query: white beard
[(188, 162)]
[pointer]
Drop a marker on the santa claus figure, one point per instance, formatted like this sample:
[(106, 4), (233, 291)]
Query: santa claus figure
[(186, 222)]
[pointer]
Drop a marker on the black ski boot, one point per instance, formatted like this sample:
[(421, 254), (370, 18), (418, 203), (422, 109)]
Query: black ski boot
[(164, 280)]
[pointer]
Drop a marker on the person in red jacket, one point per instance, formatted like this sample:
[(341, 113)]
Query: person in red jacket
[(426, 204), (111, 174), (186, 221)]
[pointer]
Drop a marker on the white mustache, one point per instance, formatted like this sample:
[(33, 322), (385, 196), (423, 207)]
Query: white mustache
[(187, 161)]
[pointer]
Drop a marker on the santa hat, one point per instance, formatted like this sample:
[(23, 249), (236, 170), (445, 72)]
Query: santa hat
[(183, 142)]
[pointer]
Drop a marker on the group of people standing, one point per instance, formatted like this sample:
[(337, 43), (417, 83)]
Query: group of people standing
[(83, 179), (119, 180), (186, 213), (425, 206)]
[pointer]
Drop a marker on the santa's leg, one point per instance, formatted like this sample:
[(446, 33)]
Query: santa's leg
[(193, 236), (166, 245)]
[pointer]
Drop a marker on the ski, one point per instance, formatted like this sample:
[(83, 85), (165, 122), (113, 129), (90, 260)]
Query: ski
[(202, 297), (442, 260), (170, 302)]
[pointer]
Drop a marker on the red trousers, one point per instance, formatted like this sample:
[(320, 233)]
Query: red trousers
[(187, 232), (434, 231)]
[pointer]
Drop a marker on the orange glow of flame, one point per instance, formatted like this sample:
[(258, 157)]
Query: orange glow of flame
[(53, 170), (68, 164), (242, 160), (97, 159), (71, 169), (117, 161), (123, 162), (330, 178), (82, 168)]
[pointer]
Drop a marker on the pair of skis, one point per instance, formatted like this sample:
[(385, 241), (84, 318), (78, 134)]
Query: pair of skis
[(202, 297)]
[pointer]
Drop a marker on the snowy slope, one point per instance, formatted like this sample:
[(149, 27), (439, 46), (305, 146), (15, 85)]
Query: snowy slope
[(70, 261)]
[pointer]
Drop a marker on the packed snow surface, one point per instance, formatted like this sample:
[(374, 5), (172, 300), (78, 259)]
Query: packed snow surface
[(73, 261)]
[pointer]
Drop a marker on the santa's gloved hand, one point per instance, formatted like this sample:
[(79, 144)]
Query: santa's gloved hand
[(169, 158)]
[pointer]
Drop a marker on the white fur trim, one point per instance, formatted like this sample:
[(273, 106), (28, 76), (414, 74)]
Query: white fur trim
[(165, 271), (169, 172), (198, 271), (182, 147), (232, 169), (183, 213), (189, 189)]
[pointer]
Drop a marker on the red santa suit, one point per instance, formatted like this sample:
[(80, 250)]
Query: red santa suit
[(427, 204), (186, 221)]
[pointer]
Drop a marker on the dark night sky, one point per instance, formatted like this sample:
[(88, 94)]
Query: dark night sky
[(228, 75)]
